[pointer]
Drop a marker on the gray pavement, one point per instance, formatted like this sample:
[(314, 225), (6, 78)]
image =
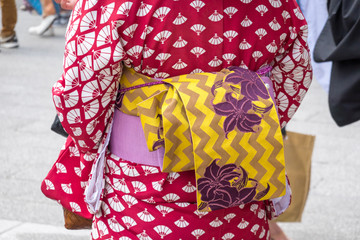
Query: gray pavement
[(28, 149)]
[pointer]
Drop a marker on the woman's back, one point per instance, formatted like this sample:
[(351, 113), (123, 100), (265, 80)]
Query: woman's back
[(162, 38)]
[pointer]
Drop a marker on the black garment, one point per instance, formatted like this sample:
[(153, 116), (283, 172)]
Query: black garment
[(339, 42), (58, 128)]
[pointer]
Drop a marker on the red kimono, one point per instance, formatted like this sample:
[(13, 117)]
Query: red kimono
[(164, 38)]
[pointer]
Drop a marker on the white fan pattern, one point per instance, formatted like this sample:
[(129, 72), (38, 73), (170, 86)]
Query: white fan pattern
[(167, 212)]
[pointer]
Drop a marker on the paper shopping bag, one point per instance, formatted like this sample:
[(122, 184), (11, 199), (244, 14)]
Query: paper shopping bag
[(298, 151)]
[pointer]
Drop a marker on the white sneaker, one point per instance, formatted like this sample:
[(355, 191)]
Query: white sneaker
[(9, 42), (44, 25), (49, 33)]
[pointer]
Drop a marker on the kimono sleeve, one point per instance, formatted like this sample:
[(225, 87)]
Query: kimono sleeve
[(292, 71), (84, 96)]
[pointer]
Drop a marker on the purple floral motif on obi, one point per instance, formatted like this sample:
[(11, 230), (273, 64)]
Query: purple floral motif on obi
[(225, 186), (252, 87), (236, 112), (242, 110)]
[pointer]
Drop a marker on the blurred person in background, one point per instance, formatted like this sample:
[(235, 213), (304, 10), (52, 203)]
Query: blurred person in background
[(52, 15), (67, 4), (9, 18), (49, 15), (338, 44)]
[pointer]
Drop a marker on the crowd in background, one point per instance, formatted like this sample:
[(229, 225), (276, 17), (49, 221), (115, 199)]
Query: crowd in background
[(51, 14)]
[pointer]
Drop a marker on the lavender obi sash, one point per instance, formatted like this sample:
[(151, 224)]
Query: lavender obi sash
[(127, 141)]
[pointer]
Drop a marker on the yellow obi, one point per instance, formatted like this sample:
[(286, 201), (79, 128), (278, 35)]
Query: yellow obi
[(223, 125)]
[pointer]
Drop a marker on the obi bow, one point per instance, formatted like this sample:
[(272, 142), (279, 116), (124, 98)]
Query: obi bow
[(223, 125)]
